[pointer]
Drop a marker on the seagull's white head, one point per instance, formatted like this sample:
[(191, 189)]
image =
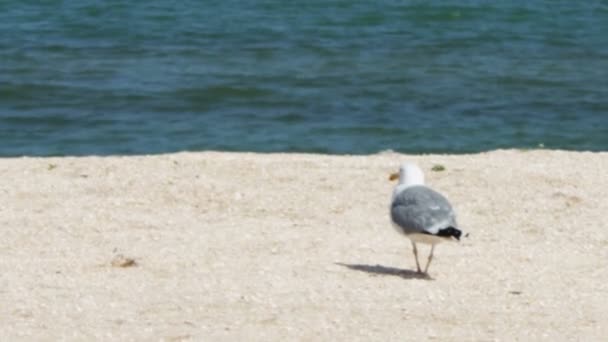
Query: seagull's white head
[(409, 174)]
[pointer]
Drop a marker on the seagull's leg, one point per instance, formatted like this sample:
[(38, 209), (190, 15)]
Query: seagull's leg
[(416, 256), (428, 263)]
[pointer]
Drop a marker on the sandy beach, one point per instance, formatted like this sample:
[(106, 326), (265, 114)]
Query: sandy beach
[(278, 247)]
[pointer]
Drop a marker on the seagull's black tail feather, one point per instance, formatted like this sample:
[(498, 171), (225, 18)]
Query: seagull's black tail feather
[(449, 232)]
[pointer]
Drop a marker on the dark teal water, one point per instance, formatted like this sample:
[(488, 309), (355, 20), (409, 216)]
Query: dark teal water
[(117, 77)]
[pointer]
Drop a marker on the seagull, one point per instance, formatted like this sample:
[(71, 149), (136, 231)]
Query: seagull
[(421, 213)]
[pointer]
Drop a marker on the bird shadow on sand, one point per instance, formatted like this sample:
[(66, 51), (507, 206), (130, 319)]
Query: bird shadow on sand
[(386, 271)]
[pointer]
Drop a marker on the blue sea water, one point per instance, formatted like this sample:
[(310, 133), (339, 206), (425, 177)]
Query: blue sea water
[(335, 76)]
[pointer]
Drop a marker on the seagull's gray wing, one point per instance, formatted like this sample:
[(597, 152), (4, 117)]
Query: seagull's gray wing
[(419, 209)]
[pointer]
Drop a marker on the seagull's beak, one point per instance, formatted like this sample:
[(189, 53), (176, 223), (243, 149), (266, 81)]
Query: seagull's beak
[(393, 176)]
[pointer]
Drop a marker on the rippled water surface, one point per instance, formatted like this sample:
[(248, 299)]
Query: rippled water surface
[(115, 77)]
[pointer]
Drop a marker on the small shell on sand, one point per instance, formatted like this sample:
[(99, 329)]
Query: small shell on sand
[(122, 261)]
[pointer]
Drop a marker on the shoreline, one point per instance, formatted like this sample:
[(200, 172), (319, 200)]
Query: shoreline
[(263, 153), (269, 246)]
